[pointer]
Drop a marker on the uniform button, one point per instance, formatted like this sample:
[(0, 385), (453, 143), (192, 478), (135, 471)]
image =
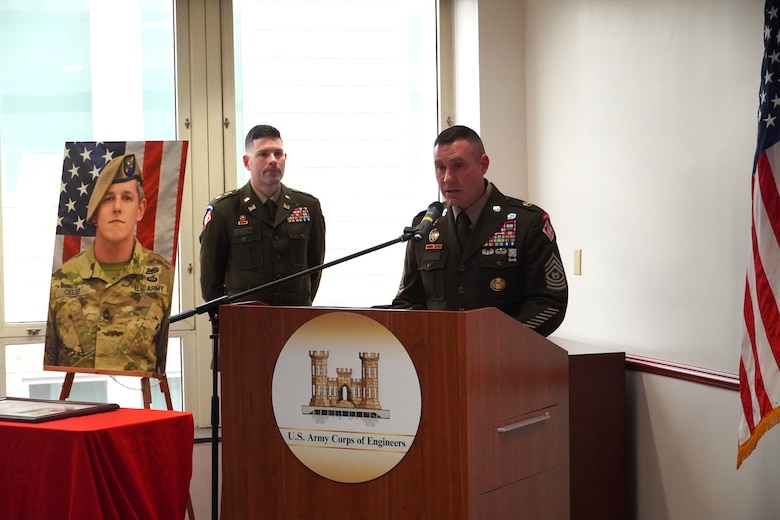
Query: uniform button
[(499, 263), (278, 257), (428, 265), (278, 275), (276, 237), (461, 290), (462, 268)]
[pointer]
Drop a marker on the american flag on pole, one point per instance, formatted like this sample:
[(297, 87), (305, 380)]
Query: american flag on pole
[(163, 165), (759, 367)]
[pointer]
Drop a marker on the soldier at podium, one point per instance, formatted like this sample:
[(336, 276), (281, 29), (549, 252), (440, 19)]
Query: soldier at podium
[(487, 249)]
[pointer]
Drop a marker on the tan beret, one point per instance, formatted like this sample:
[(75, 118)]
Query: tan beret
[(118, 169)]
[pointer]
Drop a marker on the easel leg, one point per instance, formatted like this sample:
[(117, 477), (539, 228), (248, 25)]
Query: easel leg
[(67, 384), (146, 390), (166, 391)]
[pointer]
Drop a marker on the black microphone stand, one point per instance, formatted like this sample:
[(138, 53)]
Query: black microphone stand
[(409, 232)]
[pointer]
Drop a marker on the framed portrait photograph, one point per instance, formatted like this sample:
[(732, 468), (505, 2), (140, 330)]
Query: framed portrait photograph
[(21, 409)]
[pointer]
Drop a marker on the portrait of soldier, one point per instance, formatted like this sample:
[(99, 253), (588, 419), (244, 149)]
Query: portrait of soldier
[(110, 305)]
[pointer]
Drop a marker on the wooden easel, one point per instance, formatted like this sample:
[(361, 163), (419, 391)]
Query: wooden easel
[(146, 387), (146, 391)]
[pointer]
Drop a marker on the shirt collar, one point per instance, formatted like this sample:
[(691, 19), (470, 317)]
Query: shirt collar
[(475, 210)]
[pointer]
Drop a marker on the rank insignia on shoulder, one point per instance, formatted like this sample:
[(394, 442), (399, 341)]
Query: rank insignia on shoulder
[(227, 193)]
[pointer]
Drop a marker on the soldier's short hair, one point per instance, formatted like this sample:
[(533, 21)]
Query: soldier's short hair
[(119, 169), (259, 132), (460, 132)]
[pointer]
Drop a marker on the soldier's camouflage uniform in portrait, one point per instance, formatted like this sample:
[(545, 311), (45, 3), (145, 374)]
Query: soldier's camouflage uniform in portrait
[(111, 324), (111, 316)]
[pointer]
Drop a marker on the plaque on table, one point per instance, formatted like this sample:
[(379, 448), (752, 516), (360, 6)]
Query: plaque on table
[(22, 409)]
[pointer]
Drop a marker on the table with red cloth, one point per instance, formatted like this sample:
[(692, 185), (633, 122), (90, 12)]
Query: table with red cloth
[(123, 464)]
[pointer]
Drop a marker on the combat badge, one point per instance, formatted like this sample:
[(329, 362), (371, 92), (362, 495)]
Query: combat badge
[(498, 284)]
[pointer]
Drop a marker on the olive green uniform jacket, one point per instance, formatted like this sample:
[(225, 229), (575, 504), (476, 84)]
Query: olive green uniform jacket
[(511, 261), (242, 247), (119, 325)]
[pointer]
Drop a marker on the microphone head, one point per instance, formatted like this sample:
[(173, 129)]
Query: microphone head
[(435, 209), (434, 212)]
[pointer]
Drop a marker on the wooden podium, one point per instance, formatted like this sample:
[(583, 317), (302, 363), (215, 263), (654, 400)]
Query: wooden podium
[(492, 441)]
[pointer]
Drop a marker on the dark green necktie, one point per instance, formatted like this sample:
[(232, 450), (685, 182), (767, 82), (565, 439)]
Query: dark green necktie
[(463, 226), (270, 206)]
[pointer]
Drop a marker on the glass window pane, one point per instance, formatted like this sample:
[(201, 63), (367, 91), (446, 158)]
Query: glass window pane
[(352, 87), (70, 70), (26, 378)]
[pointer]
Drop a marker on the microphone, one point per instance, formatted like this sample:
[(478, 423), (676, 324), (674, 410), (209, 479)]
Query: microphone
[(424, 227)]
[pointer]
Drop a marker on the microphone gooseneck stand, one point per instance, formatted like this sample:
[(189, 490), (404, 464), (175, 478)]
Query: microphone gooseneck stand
[(434, 211)]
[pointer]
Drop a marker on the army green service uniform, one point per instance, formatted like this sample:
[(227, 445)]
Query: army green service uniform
[(510, 261), (121, 325), (243, 247)]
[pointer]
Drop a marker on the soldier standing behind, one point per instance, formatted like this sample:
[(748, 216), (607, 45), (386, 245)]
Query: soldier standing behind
[(263, 231), (110, 305)]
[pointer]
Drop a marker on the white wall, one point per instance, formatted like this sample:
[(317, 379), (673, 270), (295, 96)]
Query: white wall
[(640, 125)]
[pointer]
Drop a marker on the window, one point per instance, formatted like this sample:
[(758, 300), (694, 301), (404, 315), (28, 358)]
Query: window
[(69, 71), (351, 86)]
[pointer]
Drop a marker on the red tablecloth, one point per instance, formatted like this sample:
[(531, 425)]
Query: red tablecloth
[(124, 464)]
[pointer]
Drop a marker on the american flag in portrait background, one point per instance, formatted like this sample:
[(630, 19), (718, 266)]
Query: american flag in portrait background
[(163, 165), (759, 367)]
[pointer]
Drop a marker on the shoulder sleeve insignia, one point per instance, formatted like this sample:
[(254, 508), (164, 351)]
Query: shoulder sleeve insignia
[(547, 227), (207, 216)]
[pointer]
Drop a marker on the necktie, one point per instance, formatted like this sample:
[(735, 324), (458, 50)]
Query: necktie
[(270, 206), (463, 226)]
